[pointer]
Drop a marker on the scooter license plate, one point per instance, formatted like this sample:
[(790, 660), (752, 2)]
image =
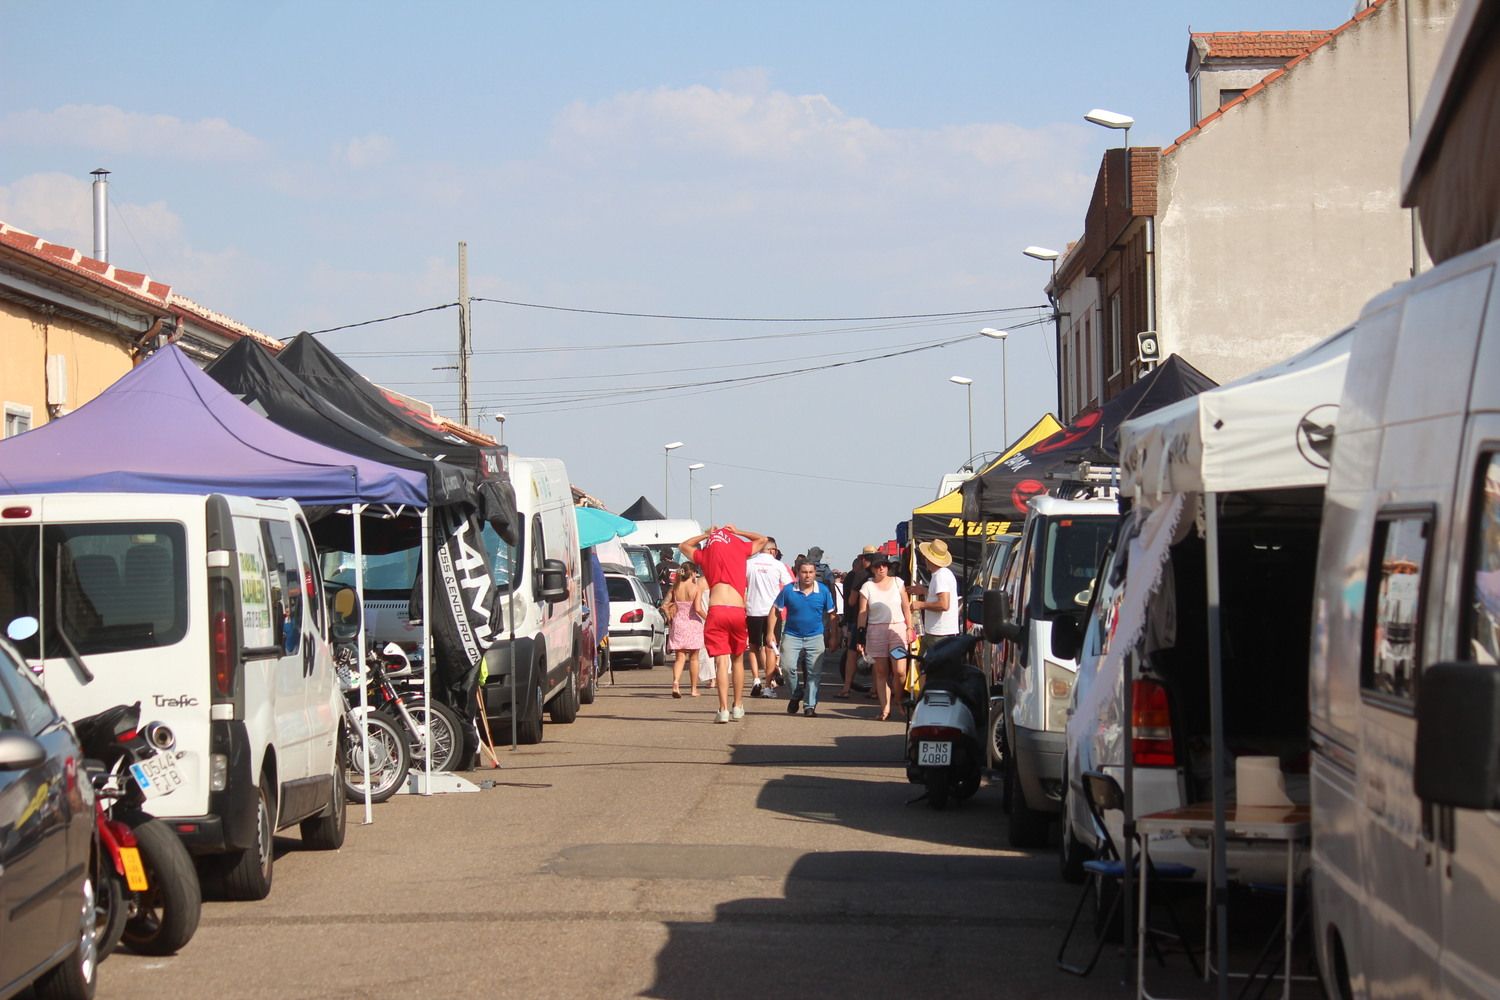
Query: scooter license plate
[(157, 776), (135, 872), (931, 753)]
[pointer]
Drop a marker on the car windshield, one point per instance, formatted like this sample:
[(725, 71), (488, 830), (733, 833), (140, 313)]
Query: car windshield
[(390, 575), (1074, 546)]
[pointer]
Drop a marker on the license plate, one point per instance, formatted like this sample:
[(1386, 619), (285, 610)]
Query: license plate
[(157, 776), (135, 872), (934, 754)]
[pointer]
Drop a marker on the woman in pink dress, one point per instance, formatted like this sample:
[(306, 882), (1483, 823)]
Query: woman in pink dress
[(885, 624), (685, 613)]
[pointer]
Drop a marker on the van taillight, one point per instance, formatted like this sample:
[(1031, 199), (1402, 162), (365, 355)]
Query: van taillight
[(1151, 725), (15, 512), (222, 656)]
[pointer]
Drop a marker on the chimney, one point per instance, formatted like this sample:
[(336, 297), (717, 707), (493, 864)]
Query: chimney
[(101, 214)]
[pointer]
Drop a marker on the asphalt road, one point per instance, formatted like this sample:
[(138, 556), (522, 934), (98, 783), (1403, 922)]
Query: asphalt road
[(646, 851)]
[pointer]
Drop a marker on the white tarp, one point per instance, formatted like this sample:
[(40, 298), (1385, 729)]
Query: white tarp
[(1269, 430)]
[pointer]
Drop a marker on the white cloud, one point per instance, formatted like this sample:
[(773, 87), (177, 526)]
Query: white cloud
[(108, 129), (366, 151), (59, 208)]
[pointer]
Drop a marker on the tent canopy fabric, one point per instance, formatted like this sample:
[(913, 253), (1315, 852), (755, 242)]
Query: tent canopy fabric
[(596, 526), (1272, 429), (642, 510), (1005, 489), (328, 376), (166, 427), (252, 375)]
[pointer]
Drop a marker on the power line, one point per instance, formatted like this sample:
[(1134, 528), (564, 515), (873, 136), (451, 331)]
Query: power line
[(383, 319), (745, 319)]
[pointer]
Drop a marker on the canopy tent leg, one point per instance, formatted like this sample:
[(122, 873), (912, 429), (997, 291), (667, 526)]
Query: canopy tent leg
[(427, 691), (1216, 724), (510, 616), (359, 654)]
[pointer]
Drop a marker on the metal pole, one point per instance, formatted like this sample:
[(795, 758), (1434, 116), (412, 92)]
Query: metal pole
[(666, 496), (1127, 883), (510, 614), (969, 394), (1004, 397), (1411, 115), (1216, 723), (359, 655), (426, 647), (463, 332), (710, 508)]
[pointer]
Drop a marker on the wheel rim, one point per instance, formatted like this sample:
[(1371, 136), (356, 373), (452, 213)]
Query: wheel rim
[(442, 736), (88, 940), (384, 758), (263, 834)]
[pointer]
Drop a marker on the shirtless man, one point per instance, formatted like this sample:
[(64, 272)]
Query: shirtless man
[(722, 553)]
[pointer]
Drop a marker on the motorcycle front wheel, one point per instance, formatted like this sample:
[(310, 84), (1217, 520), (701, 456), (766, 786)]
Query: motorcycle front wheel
[(111, 906), (447, 735), (390, 759), (165, 916)]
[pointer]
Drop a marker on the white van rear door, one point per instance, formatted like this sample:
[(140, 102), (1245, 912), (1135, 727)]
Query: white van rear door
[(1470, 839), (275, 687)]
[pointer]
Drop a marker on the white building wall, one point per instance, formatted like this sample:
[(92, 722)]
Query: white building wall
[(1281, 218)]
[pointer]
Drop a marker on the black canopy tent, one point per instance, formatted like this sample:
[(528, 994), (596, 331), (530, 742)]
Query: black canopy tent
[(1003, 491), (250, 373), (642, 510)]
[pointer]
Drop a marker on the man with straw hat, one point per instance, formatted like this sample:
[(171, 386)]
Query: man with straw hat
[(938, 600)]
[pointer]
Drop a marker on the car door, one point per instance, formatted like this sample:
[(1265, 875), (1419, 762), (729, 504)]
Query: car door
[(1468, 839), (288, 688), (319, 686), (38, 884)]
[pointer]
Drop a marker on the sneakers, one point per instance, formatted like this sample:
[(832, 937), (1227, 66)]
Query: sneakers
[(755, 691), (736, 713), (721, 716), (810, 711), (769, 692)]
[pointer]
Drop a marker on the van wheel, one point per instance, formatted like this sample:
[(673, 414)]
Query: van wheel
[(529, 723), (247, 875), (326, 833), (1027, 827), (564, 707)]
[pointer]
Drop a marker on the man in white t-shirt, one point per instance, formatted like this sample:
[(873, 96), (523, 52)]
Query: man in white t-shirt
[(939, 599), (765, 575)]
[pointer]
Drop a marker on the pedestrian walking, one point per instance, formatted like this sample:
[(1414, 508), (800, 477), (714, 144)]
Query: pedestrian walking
[(765, 576), (722, 553), (809, 610), (859, 572), (884, 625), (686, 604)]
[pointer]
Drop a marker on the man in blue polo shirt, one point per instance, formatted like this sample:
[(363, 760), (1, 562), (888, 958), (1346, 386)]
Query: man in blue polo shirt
[(809, 608)]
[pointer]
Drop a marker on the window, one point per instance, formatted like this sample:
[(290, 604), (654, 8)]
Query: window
[(538, 555), (1481, 603), (1392, 643), (31, 706), (501, 555), (1065, 356), (1116, 348), (1074, 546), (286, 584), (1087, 395), (313, 583), (1225, 96), (110, 587), (17, 419), (619, 588)]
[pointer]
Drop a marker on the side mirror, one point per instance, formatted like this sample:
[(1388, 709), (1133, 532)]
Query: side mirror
[(553, 581), (997, 618), (19, 752), (343, 614), (1458, 736), (974, 607), (1067, 637)]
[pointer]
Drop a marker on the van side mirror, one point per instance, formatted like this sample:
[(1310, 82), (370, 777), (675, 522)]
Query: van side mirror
[(553, 581), (1067, 637), (974, 607), (1458, 736), (343, 614), (997, 618)]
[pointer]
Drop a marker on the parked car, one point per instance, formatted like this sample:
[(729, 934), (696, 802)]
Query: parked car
[(47, 832), (1048, 577), (997, 548), (209, 611), (637, 630)]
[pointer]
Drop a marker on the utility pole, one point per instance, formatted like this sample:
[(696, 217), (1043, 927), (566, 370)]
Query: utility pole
[(463, 333)]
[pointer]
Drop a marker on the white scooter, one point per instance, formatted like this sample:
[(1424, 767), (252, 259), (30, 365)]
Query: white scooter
[(945, 748)]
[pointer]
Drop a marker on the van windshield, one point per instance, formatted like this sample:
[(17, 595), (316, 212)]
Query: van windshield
[(1074, 547), (111, 587)]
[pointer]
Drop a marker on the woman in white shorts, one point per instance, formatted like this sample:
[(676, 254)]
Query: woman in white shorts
[(884, 624)]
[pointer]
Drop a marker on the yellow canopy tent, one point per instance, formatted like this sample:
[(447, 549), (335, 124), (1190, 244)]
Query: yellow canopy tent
[(944, 517)]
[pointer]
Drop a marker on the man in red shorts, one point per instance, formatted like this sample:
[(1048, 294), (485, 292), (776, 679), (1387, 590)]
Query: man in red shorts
[(722, 553)]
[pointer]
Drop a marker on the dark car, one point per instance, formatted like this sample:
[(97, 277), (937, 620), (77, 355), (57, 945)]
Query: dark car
[(47, 830)]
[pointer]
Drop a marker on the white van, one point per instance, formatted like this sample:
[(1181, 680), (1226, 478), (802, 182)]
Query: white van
[(209, 611), (1049, 575), (550, 650)]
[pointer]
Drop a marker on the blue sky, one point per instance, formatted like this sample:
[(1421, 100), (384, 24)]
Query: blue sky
[(300, 166)]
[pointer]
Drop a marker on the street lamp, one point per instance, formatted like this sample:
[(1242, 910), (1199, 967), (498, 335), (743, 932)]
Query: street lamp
[(692, 469), (968, 385), (716, 487), (500, 419), (666, 490), (1001, 336)]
